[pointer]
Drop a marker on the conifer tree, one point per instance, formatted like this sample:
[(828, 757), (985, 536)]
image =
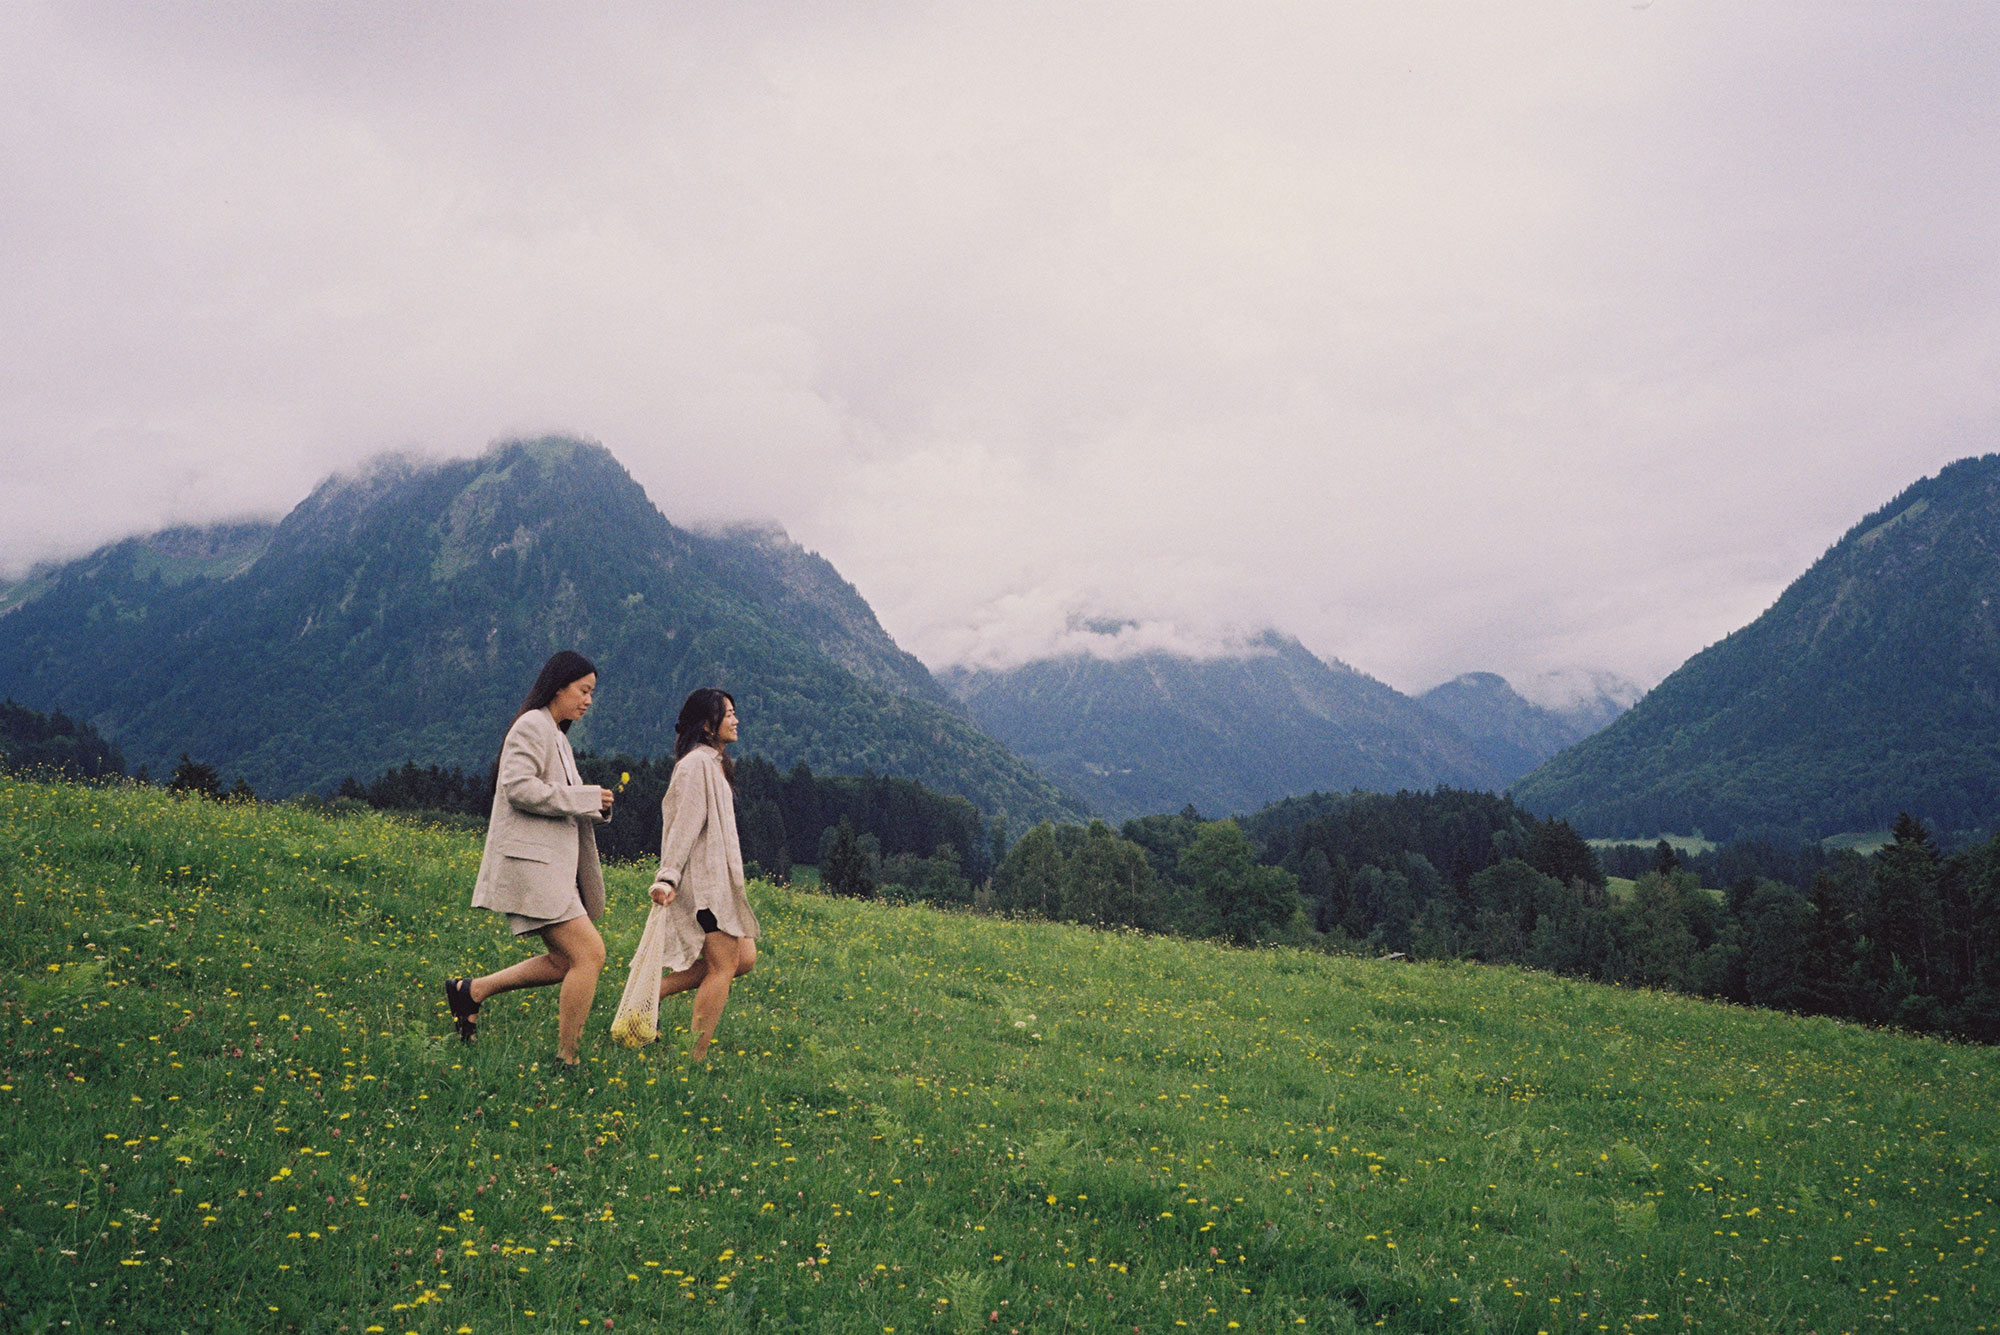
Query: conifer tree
[(1905, 919), (845, 869)]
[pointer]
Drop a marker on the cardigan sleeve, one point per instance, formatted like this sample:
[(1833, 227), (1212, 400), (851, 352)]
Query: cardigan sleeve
[(528, 789), (683, 813)]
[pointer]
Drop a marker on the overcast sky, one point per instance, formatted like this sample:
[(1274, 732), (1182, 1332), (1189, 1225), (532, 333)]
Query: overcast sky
[(1445, 336)]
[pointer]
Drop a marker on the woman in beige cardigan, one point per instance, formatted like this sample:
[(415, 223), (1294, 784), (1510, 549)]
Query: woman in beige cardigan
[(711, 931), (540, 866)]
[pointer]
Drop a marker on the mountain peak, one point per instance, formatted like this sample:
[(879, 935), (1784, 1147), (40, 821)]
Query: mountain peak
[(400, 609), (467, 512), (1514, 733), (1478, 681), (1153, 730), (542, 459), (802, 590), (1118, 638)]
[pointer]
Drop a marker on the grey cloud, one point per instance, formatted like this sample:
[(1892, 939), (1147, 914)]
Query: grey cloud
[(1516, 338)]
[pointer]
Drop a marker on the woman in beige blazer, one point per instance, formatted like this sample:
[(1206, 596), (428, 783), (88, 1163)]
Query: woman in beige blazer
[(540, 866), (711, 931)]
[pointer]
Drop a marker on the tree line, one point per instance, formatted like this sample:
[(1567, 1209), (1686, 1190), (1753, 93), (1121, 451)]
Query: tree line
[(898, 837), (32, 742), (1349, 873), (58, 746), (1907, 936), (1795, 861), (782, 819)]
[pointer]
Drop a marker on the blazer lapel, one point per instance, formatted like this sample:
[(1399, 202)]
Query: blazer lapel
[(567, 758)]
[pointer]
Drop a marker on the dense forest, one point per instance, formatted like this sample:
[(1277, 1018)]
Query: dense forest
[(56, 744), (1362, 871), (1907, 937)]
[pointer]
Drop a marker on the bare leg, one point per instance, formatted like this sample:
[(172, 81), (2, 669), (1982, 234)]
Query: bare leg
[(684, 979), (537, 972), (690, 978), (719, 951), (578, 942)]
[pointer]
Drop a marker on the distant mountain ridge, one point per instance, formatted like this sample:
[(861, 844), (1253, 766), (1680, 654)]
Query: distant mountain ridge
[(172, 555), (1154, 732), (1870, 687), (399, 613), (1512, 733)]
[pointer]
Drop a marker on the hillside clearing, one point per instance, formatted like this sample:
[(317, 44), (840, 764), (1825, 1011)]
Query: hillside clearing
[(233, 1105)]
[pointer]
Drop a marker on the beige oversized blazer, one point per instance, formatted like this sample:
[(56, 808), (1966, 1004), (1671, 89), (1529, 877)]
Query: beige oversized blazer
[(541, 844), (700, 858), (699, 854)]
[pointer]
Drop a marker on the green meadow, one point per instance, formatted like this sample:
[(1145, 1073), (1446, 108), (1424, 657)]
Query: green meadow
[(1623, 887), (1680, 843), (232, 1103)]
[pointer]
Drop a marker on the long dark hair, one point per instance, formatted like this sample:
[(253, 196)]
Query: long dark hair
[(701, 717), (564, 667)]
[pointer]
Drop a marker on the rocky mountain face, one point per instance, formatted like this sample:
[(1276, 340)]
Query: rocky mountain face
[(400, 614), (1155, 732), (1871, 687)]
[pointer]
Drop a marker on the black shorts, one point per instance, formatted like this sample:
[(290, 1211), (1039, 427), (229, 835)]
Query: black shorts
[(705, 920)]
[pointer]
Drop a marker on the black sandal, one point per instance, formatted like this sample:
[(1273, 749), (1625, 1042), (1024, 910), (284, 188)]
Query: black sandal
[(458, 996)]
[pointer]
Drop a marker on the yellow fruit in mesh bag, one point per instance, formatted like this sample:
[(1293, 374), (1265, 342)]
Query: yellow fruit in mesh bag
[(634, 1029)]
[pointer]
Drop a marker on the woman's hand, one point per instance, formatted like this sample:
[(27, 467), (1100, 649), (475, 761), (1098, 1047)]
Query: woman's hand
[(607, 796), (663, 895)]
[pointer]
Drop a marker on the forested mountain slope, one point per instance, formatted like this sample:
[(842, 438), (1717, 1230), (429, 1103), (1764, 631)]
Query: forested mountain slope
[(399, 615), (1871, 687)]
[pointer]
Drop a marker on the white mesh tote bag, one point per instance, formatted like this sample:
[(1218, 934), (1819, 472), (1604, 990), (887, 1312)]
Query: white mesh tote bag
[(637, 1022)]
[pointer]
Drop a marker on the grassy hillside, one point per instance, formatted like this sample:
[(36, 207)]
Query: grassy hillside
[(230, 1105)]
